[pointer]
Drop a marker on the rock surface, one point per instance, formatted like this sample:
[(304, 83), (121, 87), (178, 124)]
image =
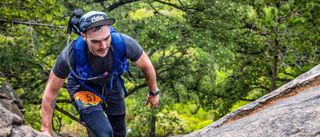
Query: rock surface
[(11, 116), (291, 110)]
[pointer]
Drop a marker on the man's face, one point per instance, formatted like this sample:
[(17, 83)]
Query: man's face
[(98, 40)]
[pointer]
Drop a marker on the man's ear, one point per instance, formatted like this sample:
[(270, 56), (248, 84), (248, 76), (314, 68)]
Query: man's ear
[(84, 37)]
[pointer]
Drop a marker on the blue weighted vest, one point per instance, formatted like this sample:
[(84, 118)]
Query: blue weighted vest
[(83, 72)]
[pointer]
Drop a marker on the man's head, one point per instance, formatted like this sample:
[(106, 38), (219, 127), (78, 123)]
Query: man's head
[(94, 19), (95, 30)]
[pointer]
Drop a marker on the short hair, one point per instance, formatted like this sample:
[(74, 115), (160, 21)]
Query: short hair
[(95, 29)]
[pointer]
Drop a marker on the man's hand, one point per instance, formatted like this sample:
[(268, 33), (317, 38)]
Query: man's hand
[(153, 100), (146, 66)]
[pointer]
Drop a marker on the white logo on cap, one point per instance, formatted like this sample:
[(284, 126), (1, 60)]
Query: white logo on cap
[(97, 18)]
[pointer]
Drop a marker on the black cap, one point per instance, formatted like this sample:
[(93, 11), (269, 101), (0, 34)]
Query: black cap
[(94, 19)]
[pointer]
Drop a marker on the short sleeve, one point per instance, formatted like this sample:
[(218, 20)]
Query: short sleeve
[(62, 66), (134, 50)]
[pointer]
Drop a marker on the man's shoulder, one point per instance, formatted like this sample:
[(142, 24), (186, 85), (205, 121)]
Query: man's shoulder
[(133, 49), (126, 37), (64, 61), (67, 53)]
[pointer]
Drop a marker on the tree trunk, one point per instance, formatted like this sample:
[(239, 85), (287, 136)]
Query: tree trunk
[(275, 62), (152, 124)]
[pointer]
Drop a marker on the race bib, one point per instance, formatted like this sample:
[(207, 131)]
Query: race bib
[(86, 99)]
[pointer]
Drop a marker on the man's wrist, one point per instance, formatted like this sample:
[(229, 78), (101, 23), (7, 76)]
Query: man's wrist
[(154, 92)]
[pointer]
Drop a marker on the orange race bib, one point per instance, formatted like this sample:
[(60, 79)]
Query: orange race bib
[(86, 98)]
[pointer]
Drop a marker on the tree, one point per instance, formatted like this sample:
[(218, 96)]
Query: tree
[(210, 56)]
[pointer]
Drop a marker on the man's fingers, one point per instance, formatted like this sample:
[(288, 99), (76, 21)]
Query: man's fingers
[(147, 101), (153, 106), (152, 100)]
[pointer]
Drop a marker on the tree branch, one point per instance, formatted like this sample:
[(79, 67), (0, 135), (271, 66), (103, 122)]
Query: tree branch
[(180, 2), (64, 101), (62, 110), (280, 19), (32, 23), (136, 88), (69, 115), (38, 102), (172, 5), (120, 3)]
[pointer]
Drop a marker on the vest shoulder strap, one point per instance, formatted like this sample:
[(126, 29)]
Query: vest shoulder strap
[(120, 64), (82, 67), (79, 50), (120, 54)]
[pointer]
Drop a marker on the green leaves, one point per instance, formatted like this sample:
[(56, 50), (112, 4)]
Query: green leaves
[(211, 57)]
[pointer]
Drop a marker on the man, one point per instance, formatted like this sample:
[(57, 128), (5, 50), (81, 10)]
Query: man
[(99, 100)]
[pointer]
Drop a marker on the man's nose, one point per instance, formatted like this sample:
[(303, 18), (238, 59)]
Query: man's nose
[(102, 44)]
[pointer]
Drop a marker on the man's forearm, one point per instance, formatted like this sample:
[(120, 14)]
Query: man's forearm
[(48, 104), (150, 76), (49, 101), (146, 66)]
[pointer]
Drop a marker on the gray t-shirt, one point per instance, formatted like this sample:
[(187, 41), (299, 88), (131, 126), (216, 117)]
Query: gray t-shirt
[(98, 65)]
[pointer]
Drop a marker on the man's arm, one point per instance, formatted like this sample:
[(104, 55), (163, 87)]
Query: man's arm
[(49, 101), (146, 66)]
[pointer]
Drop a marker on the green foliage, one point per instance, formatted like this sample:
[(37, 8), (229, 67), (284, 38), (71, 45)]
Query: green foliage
[(211, 57), (193, 116), (32, 116), (170, 120)]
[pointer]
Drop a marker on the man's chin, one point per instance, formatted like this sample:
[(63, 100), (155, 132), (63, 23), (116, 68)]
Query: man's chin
[(101, 55)]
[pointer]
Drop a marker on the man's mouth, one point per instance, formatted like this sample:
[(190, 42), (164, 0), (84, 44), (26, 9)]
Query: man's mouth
[(101, 50)]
